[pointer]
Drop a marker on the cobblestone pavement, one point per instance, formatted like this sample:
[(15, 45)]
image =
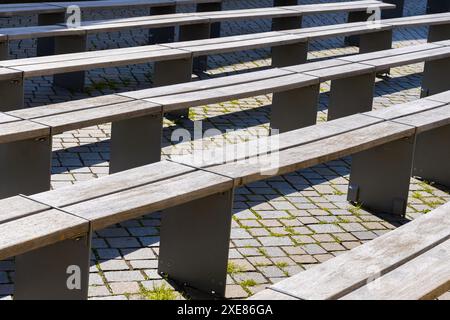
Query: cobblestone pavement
[(281, 226)]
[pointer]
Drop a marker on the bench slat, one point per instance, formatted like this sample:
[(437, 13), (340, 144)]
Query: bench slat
[(22, 130), (428, 120), (343, 274), (17, 207), (425, 277), (304, 156), (39, 230), (132, 203)]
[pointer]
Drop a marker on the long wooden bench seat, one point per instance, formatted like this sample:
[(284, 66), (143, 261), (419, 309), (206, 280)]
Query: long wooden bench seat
[(174, 62), (409, 263), (199, 197), (137, 116)]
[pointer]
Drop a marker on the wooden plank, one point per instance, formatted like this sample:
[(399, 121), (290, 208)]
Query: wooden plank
[(9, 10), (9, 74), (52, 68), (341, 275), (265, 145), (184, 100), (316, 65), (40, 31), (339, 6), (94, 116), (118, 182), (22, 130), (246, 14), (135, 202), (17, 207), (4, 118), (428, 120), (344, 71), (269, 294), (68, 106), (423, 278), (420, 20), (390, 53), (250, 170), (440, 97), (39, 230), (409, 58), (205, 84), (404, 109)]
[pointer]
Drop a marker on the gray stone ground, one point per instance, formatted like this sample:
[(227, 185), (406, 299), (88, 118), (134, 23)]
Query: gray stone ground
[(281, 226)]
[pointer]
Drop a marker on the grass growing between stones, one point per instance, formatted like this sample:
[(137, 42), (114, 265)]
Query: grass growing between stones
[(161, 292)]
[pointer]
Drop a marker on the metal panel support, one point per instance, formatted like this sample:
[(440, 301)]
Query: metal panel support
[(166, 34), (196, 32), (289, 54), (25, 167), (172, 72), (380, 177), (438, 32), (195, 239), (46, 46), (435, 77), (208, 7), (355, 16), (394, 13), (375, 41), (294, 109), (135, 142), (432, 156), (72, 80), (351, 95), (56, 272), (12, 94), (4, 50)]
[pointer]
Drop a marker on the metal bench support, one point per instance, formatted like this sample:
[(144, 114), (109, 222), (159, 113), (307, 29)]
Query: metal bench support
[(12, 94), (172, 72), (207, 7), (197, 32), (135, 142), (375, 41), (380, 177), (355, 16), (73, 80), (57, 272), (438, 32), (294, 109), (394, 13), (166, 34), (195, 241), (435, 77), (4, 50), (290, 54), (351, 95), (46, 46), (432, 154), (25, 167)]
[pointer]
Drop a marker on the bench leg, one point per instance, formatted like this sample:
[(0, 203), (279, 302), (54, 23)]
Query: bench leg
[(197, 32), (12, 94), (56, 272), (380, 177), (172, 72), (288, 23), (207, 7), (194, 243), (439, 32), (294, 109), (375, 41), (135, 142), (438, 6), (46, 46), (355, 16), (351, 95), (166, 34), (72, 80), (289, 55), (435, 77), (4, 50), (432, 156), (25, 167), (394, 13)]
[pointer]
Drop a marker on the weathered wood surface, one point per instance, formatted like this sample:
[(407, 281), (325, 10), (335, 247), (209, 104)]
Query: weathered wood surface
[(428, 120), (269, 294), (22, 130), (19, 207), (350, 271), (423, 278)]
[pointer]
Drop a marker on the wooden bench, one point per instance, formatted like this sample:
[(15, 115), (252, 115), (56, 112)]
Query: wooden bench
[(173, 62), (409, 263), (53, 13), (189, 193), (62, 39), (137, 116)]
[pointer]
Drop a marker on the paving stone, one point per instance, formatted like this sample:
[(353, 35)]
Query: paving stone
[(124, 287), (325, 228), (122, 276)]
